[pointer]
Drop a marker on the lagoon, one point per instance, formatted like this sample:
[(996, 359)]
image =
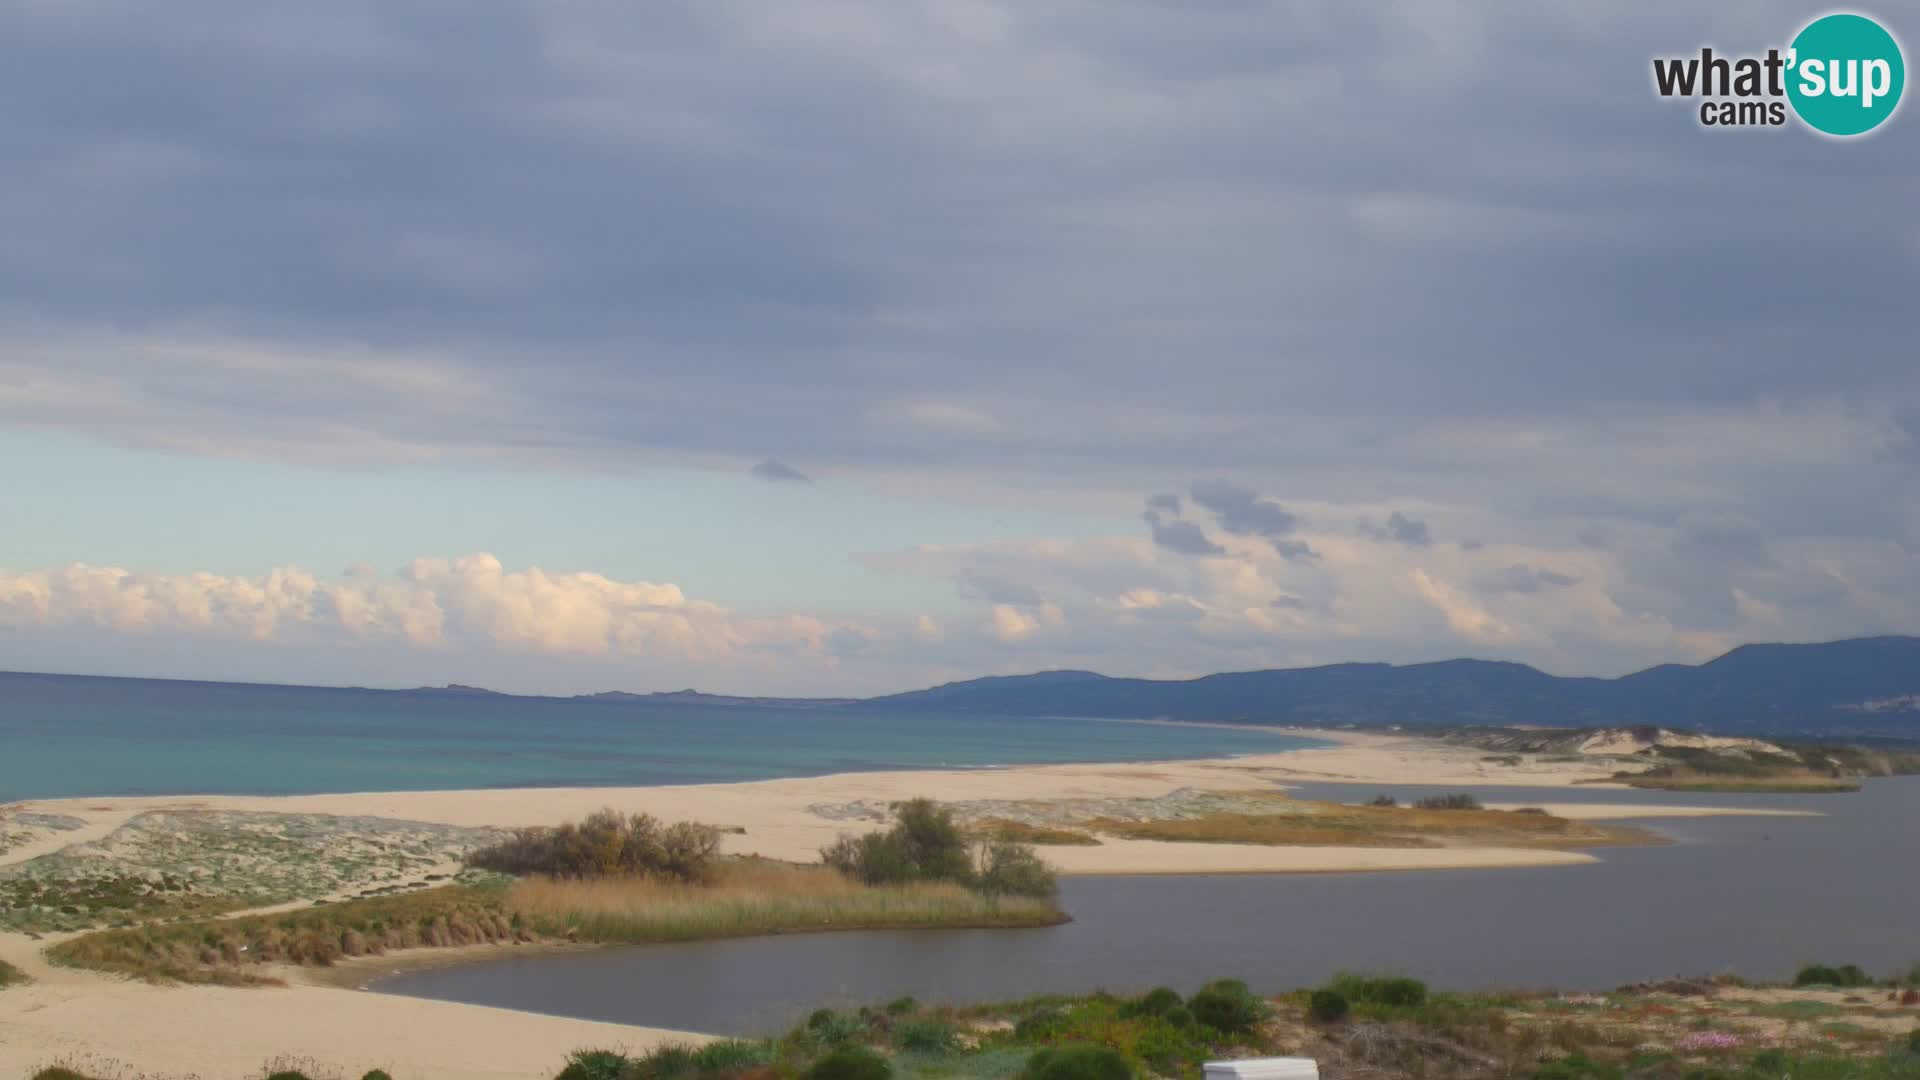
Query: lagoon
[(1754, 895)]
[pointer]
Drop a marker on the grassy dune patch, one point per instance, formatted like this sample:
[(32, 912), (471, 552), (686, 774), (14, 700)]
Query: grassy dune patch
[(741, 899), (1320, 824), (1022, 832)]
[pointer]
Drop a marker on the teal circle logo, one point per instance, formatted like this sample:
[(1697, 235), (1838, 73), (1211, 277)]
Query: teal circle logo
[(1845, 74)]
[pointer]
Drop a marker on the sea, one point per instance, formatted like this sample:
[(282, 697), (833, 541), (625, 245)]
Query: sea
[(75, 736)]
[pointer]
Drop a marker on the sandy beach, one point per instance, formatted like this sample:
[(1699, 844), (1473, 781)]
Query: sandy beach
[(212, 1032)]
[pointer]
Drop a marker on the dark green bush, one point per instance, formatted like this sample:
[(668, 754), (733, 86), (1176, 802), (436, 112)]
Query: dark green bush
[(1913, 1042), (662, 1063), (726, 1057), (376, 1074), (902, 1005), (57, 1072), (1328, 1006), (287, 1074), (1846, 975), (595, 1065), (927, 1036), (1077, 1063), (1043, 1023), (1226, 1005), (1158, 1001), (1383, 800), (1395, 991), (850, 1063)]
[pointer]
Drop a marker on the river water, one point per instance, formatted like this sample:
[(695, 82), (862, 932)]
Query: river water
[(1756, 895)]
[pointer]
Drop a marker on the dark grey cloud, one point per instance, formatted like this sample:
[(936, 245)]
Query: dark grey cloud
[(1177, 535), (1400, 529), (780, 472), (1242, 512)]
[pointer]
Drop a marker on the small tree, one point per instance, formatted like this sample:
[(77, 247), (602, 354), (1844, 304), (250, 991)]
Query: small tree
[(1013, 869)]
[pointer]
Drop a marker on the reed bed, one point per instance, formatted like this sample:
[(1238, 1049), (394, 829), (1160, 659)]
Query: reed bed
[(756, 898)]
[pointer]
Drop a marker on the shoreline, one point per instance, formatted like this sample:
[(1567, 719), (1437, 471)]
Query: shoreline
[(88, 1016)]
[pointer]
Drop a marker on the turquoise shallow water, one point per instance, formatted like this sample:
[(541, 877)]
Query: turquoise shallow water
[(75, 736)]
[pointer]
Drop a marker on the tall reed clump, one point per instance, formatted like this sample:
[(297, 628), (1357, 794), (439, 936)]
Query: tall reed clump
[(752, 897), (924, 844), (607, 844)]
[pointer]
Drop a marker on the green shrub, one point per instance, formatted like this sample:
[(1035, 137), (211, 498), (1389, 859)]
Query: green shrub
[(902, 1005), (850, 1063), (287, 1074), (1009, 868), (1913, 1042), (662, 1063), (607, 843), (927, 1036), (376, 1074), (57, 1072), (729, 1056), (1383, 800), (1158, 1001), (1846, 975), (924, 844), (1395, 991), (1328, 1006), (1226, 1005), (595, 1065), (1077, 1063), (1043, 1023)]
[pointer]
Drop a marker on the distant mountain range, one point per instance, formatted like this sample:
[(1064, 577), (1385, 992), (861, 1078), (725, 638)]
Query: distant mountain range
[(1862, 688), (1866, 686)]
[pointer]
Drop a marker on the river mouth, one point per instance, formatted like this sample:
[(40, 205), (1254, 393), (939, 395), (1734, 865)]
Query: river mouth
[(1753, 895)]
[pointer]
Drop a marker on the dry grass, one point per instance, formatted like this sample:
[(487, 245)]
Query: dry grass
[(1320, 824), (755, 898), (1021, 832), (1795, 782)]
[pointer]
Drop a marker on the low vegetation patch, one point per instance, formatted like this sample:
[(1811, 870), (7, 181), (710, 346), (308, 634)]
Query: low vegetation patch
[(925, 844), (232, 951), (1021, 832), (1380, 823), (10, 975), (737, 898), (606, 844)]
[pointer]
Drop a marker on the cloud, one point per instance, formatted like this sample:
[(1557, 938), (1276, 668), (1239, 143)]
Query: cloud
[(1141, 245), (1521, 578), (780, 472), (1242, 512), (432, 603), (1181, 537)]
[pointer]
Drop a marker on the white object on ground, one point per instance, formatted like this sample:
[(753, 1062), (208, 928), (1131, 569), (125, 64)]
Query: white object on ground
[(1285, 1068)]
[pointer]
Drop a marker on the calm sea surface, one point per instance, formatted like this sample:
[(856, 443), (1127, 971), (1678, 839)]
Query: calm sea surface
[(69, 736), (1753, 895)]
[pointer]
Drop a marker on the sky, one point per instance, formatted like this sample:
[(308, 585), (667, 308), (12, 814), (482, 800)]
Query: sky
[(850, 347)]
